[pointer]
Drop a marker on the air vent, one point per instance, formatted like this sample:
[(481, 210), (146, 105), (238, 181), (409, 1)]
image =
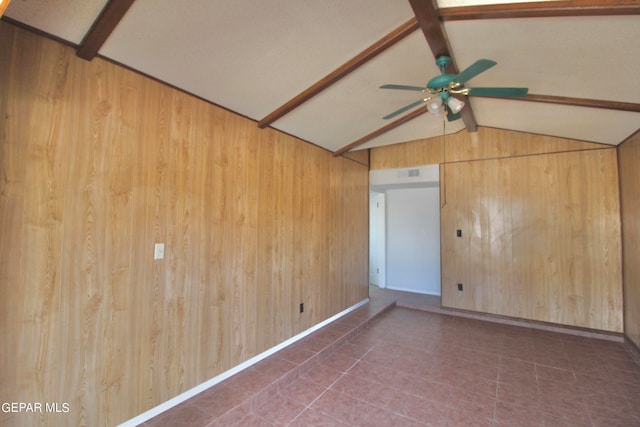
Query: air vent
[(427, 175), (409, 173)]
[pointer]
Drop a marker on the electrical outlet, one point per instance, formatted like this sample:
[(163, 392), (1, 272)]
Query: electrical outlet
[(459, 233), (301, 307), (460, 287)]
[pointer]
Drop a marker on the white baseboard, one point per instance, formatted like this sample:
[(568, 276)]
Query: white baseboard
[(146, 416), (393, 288)]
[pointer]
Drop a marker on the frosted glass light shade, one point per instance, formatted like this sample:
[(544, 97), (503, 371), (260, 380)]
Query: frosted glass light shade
[(434, 106), (455, 105)]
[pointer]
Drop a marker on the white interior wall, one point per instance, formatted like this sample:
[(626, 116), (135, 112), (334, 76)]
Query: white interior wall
[(377, 244), (413, 239)]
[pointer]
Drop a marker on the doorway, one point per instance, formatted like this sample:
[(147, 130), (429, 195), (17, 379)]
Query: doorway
[(404, 230)]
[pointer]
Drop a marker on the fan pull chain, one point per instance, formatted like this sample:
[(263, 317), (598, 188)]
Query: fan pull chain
[(444, 165)]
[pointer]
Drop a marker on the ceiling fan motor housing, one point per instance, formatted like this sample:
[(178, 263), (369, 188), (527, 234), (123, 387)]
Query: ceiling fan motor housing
[(440, 82), (443, 62)]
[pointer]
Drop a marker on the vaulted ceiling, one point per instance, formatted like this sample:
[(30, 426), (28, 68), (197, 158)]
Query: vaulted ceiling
[(313, 69)]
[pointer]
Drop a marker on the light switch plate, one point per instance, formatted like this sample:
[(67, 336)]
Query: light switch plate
[(158, 252)]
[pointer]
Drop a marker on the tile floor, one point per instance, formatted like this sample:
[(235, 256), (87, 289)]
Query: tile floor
[(386, 365)]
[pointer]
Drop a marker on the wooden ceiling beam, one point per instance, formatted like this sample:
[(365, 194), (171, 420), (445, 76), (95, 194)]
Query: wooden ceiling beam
[(545, 9), (549, 99), (3, 6), (102, 28), (363, 57), (412, 115), (429, 19), (581, 102)]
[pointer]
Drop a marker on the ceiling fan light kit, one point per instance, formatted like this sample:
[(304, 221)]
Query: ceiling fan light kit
[(440, 88), (454, 104), (435, 107)]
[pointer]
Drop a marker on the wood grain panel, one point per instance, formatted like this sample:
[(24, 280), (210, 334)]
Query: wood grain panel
[(511, 207), (13, 219), (98, 164), (487, 143), (541, 238), (360, 156), (629, 159)]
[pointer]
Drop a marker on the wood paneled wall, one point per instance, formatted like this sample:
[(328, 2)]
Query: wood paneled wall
[(629, 164), (540, 223), (540, 238), (97, 164)]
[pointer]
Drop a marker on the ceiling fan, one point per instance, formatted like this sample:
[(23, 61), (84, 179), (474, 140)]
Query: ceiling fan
[(440, 88)]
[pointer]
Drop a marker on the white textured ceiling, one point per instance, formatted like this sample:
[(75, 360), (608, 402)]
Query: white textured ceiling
[(66, 19), (251, 57)]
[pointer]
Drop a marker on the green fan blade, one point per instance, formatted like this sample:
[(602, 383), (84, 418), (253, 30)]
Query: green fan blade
[(451, 116), (473, 70), (403, 109), (500, 92), (403, 87)]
